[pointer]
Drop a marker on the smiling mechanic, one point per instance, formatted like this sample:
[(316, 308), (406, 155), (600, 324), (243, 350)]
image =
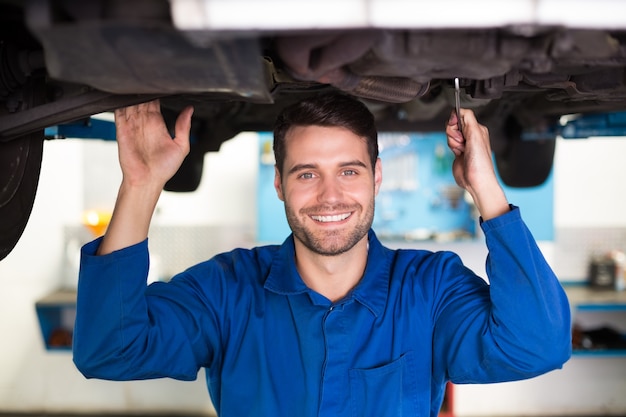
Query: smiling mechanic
[(331, 322)]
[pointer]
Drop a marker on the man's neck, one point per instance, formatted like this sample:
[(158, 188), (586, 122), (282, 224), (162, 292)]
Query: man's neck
[(332, 276)]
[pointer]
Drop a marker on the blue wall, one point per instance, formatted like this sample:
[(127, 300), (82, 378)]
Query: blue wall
[(419, 197), (537, 207)]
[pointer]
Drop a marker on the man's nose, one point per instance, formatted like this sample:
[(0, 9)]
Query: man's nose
[(330, 190)]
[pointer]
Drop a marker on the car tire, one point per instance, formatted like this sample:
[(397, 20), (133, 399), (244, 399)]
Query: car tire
[(522, 163), (20, 165)]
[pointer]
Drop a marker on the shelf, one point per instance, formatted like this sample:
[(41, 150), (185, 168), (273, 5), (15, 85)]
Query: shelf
[(63, 297), (56, 313), (584, 298), (601, 353), (598, 308)]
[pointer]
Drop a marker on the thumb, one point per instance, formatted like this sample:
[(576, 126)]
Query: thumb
[(183, 125), (468, 117)]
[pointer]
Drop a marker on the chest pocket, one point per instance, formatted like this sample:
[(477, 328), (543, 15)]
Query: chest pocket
[(388, 390)]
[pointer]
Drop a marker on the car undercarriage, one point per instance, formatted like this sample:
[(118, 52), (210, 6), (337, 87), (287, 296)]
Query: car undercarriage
[(63, 61)]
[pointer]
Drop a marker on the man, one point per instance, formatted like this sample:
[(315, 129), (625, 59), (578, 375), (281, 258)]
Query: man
[(329, 323)]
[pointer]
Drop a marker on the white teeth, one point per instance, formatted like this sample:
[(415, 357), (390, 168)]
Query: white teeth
[(335, 218)]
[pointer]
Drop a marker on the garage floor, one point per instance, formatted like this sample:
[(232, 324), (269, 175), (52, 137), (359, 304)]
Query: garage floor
[(2, 414)]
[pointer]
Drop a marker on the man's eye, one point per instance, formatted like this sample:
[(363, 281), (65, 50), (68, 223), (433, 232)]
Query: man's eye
[(306, 176), (349, 172)]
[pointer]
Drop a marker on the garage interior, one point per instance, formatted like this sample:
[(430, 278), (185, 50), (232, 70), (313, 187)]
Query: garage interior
[(584, 208)]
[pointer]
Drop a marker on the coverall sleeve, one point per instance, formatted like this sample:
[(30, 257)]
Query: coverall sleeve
[(115, 336), (516, 327)]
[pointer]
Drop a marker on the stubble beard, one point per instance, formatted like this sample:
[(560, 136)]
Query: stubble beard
[(333, 242)]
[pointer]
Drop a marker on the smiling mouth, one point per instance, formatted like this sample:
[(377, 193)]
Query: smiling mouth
[(333, 218)]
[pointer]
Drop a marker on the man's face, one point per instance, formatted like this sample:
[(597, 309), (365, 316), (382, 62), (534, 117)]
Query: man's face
[(328, 187)]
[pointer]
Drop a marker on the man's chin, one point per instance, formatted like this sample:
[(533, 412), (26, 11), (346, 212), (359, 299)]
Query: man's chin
[(332, 245)]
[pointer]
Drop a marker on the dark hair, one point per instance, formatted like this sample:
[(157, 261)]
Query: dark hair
[(329, 110)]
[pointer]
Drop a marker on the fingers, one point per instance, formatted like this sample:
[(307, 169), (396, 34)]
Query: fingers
[(472, 130), (456, 140), (120, 114), (151, 106), (452, 120), (125, 113)]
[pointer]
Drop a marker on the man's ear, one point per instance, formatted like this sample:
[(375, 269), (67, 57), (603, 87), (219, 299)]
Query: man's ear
[(278, 184), (378, 176)]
